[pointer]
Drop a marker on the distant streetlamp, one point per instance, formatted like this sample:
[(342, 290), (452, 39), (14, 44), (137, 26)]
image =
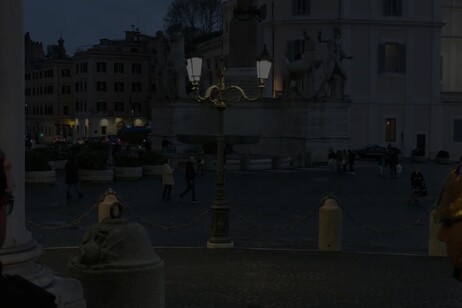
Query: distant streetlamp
[(216, 95)]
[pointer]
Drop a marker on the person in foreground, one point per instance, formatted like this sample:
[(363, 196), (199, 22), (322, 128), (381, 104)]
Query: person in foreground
[(449, 214)]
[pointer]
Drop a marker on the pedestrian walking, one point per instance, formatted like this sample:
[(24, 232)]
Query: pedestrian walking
[(392, 160), (165, 143), (72, 177), (200, 165), (147, 145), (167, 180), (418, 186), (382, 164), (331, 158), (338, 157), (344, 161), (351, 161), (190, 175)]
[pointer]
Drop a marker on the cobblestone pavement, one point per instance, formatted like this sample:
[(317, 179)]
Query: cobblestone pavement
[(277, 210), (269, 209), (249, 278)]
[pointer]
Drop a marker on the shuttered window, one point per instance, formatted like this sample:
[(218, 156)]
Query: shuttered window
[(300, 7), (392, 7), (391, 58)]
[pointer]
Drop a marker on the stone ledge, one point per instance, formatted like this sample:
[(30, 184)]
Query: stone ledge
[(40, 177)]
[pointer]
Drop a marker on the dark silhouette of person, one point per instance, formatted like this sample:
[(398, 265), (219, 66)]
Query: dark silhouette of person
[(72, 177), (190, 175)]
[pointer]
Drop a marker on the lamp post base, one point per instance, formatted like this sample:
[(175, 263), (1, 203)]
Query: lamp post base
[(220, 245)]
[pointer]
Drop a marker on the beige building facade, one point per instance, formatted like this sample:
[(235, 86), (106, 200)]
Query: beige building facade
[(393, 79), (102, 88)]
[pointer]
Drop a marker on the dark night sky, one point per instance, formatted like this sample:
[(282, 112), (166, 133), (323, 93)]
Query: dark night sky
[(84, 22)]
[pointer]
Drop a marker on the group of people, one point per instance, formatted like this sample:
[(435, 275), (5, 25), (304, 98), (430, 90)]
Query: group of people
[(341, 161), (389, 159), (193, 167)]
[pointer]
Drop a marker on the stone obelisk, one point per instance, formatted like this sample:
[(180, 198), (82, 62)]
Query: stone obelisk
[(20, 251)]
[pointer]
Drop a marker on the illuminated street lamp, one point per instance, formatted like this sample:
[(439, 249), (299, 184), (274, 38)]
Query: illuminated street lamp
[(215, 94)]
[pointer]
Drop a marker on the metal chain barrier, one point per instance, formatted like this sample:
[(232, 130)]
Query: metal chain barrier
[(174, 227), (163, 227), (285, 227), (74, 222), (387, 232), (169, 227)]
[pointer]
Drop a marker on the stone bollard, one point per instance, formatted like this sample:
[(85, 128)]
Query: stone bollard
[(117, 265), (105, 203), (330, 226), (436, 248)]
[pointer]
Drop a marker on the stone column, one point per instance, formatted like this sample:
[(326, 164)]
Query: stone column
[(20, 251)]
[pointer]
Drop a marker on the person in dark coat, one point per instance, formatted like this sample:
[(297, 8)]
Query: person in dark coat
[(418, 187), (392, 160), (72, 177), (190, 175), (351, 161)]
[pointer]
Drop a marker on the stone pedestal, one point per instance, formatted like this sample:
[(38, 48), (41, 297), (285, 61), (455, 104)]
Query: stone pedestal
[(118, 266), (20, 251), (330, 226)]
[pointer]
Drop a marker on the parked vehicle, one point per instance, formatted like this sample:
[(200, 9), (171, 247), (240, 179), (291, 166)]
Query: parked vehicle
[(59, 138), (112, 139), (97, 139), (373, 151)]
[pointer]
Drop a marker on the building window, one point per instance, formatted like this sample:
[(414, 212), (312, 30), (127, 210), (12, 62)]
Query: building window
[(65, 110), (457, 131), (136, 87), (136, 68), (390, 130), (118, 67), (392, 58), (77, 68), (83, 67), (101, 86), (300, 7), (119, 106), (66, 90), (101, 67), (295, 50), (65, 73), (262, 12), (103, 130), (101, 106), (77, 106), (392, 7), (118, 86)]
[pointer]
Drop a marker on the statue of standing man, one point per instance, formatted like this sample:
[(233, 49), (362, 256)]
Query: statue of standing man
[(334, 74)]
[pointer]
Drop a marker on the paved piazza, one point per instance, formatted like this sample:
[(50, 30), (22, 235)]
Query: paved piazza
[(269, 209)]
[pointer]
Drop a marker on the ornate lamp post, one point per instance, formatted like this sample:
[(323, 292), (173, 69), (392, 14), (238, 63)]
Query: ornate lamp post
[(215, 94)]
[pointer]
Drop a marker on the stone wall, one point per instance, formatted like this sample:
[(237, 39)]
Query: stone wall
[(286, 128)]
